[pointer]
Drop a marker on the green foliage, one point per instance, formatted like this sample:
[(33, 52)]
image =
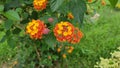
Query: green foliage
[(113, 2), (8, 24), (6, 52), (1, 8), (55, 4), (100, 37), (78, 7), (12, 15), (112, 62), (16, 14)]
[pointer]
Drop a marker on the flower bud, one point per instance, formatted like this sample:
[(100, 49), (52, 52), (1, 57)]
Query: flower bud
[(46, 31), (50, 20)]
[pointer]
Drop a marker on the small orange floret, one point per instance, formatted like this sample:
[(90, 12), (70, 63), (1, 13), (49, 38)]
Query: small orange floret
[(103, 2), (89, 0), (64, 56), (49, 57), (58, 50), (35, 29), (70, 16), (40, 4)]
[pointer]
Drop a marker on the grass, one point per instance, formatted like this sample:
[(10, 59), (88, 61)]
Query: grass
[(100, 38), (6, 52)]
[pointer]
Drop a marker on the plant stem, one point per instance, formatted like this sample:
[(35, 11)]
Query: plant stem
[(37, 52)]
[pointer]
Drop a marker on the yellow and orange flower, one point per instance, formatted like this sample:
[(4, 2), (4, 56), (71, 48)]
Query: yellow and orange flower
[(63, 31), (40, 4), (70, 16), (76, 36), (36, 29)]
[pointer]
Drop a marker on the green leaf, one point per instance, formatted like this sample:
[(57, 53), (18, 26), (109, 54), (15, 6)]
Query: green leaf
[(34, 15), (19, 10), (78, 8), (1, 7), (50, 40), (12, 4), (3, 39), (55, 4), (113, 2), (8, 24), (11, 42), (25, 15), (12, 15), (16, 31)]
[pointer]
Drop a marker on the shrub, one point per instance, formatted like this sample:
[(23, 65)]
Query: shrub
[(43, 32), (112, 62)]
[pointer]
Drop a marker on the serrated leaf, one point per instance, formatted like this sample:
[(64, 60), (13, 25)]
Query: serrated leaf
[(8, 24), (12, 15), (19, 10), (7, 34), (50, 40), (55, 4), (25, 15), (1, 7), (113, 2), (3, 39), (11, 42)]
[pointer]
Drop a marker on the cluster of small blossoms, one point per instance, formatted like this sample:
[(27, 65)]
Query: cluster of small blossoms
[(76, 36), (39, 4), (36, 28), (66, 49), (70, 49), (65, 31)]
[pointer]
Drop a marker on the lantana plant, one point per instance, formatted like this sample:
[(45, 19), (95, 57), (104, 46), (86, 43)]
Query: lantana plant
[(43, 32)]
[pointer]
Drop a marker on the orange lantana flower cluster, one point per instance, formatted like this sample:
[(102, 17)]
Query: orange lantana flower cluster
[(67, 50), (65, 31), (36, 29), (39, 4)]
